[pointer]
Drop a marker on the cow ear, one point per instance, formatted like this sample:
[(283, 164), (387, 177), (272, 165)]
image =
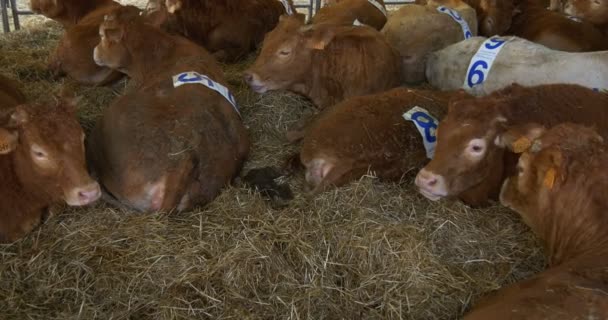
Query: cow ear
[(8, 141), (518, 139), (18, 117), (319, 38), (67, 101)]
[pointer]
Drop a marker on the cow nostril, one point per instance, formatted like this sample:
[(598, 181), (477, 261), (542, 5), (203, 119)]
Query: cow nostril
[(432, 182), (248, 77)]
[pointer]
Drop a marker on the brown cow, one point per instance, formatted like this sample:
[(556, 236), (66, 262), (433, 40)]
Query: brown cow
[(593, 11), (66, 12), (172, 142), (41, 164), (555, 30), (559, 193), (369, 133), (470, 161), (228, 29), (346, 12), (74, 53), (324, 62)]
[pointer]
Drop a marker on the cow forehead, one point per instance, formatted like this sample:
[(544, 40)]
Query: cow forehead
[(54, 129)]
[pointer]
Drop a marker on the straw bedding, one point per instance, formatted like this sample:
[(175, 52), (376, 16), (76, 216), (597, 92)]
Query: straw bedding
[(369, 250)]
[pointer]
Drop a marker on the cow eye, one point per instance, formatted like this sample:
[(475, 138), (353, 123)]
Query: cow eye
[(38, 153), (476, 147), (284, 53)]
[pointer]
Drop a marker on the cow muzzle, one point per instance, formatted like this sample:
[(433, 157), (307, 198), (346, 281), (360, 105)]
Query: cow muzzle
[(84, 195), (431, 185), (254, 81)]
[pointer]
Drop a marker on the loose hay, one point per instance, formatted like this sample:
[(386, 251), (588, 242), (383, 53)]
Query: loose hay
[(370, 250)]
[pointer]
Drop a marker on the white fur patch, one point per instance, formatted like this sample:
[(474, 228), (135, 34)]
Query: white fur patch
[(482, 61), (466, 31), (192, 77), (426, 125)]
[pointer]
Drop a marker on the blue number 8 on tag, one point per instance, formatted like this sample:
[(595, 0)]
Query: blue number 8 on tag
[(426, 125)]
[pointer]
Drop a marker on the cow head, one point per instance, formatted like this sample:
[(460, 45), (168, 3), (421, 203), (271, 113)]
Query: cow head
[(594, 11), (468, 153), (47, 146), (286, 54), (497, 17), (48, 8), (112, 51), (550, 170)]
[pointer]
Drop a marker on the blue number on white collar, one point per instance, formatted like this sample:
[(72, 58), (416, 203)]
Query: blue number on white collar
[(426, 125), (193, 77), (482, 62), (456, 16)]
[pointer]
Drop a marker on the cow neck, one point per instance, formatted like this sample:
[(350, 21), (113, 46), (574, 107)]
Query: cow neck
[(20, 198), (574, 227), (147, 57)]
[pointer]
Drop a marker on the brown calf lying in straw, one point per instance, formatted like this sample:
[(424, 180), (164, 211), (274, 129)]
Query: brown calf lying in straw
[(370, 133), (555, 30), (346, 12), (41, 163), (324, 62), (74, 53), (173, 141), (66, 12), (560, 193), (471, 163), (228, 29)]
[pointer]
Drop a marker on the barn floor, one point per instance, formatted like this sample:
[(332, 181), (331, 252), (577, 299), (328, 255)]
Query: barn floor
[(370, 250)]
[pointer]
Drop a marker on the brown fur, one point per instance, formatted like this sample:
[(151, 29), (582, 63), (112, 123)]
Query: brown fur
[(494, 16), (324, 62), (570, 216), (74, 53), (10, 95), (228, 29), (159, 147), (345, 12), (29, 185), (556, 31), (476, 182), (66, 12), (593, 11), (368, 133)]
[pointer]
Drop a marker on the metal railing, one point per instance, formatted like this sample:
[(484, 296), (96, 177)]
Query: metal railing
[(312, 6)]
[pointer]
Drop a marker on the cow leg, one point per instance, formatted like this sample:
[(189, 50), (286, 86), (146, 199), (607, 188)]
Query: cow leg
[(228, 46)]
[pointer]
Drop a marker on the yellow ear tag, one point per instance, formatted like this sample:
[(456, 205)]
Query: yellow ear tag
[(549, 178), (318, 45), (520, 145)]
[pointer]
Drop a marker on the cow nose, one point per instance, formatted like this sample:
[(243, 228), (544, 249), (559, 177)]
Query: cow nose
[(426, 179), (248, 76), (89, 193)]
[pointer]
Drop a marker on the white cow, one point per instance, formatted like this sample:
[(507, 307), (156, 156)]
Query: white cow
[(519, 61)]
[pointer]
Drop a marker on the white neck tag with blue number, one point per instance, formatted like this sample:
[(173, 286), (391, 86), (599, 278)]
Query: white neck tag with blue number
[(193, 77), (426, 125), (287, 7), (456, 16), (379, 6), (482, 62)]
